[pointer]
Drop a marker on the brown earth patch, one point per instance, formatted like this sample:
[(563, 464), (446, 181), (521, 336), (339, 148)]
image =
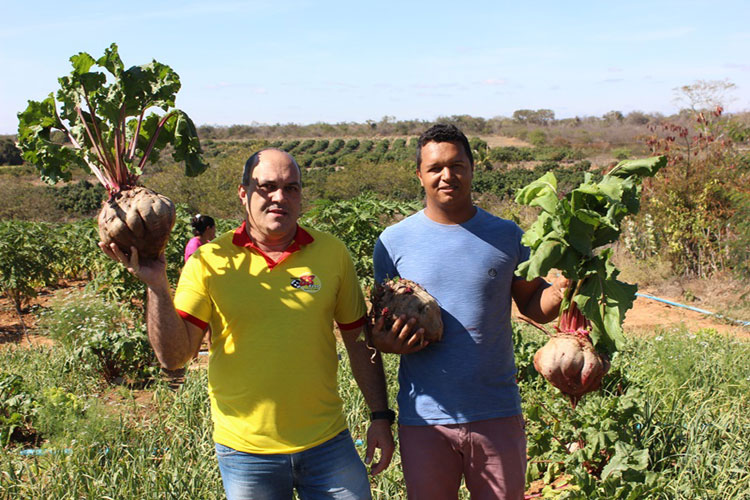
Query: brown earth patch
[(496, 141), (648, 316)]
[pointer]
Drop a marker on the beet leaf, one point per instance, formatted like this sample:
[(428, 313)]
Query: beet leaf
[(568, 236), (104, 122)]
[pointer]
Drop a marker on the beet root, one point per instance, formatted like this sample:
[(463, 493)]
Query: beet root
[(137, 217), (570, 363), (395, 297)]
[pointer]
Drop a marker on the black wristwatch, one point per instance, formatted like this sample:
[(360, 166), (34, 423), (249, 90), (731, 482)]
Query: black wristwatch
[(388, 414)]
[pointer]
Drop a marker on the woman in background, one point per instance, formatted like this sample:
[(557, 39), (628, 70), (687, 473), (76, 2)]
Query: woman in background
[(204, 230)]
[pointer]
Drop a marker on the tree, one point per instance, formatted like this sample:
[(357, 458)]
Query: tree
[(705, 94), (613, 117), (538, 117)]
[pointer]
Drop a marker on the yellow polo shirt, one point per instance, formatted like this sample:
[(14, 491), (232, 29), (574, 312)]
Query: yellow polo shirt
[(273, 362)]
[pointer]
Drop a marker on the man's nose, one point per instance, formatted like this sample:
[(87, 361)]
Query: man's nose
[(278, 195), (447, 173)]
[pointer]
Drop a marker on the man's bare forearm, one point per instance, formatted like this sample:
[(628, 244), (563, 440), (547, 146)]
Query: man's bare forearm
[(367, 370), (537, 299), (173, 340)]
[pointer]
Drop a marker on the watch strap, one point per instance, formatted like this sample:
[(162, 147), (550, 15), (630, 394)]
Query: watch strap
[(388, 414)]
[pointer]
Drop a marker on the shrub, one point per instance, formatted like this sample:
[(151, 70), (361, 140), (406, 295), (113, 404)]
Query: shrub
[(335, 146), (289, 146), (101, 337), (305, 145), (81, 198), (537, 137), (396, 182), (319, 146), (699, 201), (358, 222), (26, 251), (510, 154), (23, 201), (351, 145), (17, 409), (621, 153), (9, 153)]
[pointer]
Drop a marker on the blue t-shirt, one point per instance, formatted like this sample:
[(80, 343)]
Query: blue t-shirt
[(470, 374)]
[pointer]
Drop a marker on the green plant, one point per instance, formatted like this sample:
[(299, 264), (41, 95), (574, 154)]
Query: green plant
[(25, 255), (537, 137), (621, 153), (639, 236), (357, 222), (17, 408), (9, 153), (111, 136), (81, 198), (566, 237), (699, 199), (122, 355), (96, 119), (101, 337)]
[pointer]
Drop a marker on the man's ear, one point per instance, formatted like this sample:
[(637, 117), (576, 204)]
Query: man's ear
[(419, 175), (242, 193)]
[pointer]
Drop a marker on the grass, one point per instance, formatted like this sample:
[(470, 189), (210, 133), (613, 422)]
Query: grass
[(682, 396)]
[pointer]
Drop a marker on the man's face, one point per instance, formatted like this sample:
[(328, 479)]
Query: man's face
[(273, 198), (446, 173)]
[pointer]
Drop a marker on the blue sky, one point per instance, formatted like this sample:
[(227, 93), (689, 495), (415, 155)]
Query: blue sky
[(308, 61)]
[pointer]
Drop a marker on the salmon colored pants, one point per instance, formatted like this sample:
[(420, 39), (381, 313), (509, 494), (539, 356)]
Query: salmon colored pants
[(489, 454)]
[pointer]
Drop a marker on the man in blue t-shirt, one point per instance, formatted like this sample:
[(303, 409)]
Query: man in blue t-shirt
[(459, 405)]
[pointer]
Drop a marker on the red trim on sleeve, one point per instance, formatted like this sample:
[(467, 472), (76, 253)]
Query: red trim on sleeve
[(242, 239), (352, 326), (192, 319)]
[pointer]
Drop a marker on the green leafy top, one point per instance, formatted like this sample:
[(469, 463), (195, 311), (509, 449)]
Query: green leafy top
[(106, 124), (568, 233)]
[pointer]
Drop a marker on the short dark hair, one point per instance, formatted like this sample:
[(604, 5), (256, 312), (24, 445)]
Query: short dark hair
[(200, 223), (253, 161), (443, 133)]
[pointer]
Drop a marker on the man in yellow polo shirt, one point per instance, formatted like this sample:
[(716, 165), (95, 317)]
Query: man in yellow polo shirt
[(270, 291)]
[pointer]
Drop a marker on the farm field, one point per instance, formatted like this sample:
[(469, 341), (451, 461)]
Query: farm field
[(658, 429), (671, 422), (86, 413)]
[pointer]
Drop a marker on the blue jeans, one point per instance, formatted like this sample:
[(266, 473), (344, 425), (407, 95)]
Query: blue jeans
[(331, 470)]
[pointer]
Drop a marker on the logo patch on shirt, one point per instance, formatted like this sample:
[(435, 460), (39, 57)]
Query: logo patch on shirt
[(307, 283)]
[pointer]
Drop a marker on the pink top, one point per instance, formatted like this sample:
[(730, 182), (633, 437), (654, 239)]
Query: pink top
[(192, 246)]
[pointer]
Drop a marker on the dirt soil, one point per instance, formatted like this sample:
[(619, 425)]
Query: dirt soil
[(648, 316), (496, 141)]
